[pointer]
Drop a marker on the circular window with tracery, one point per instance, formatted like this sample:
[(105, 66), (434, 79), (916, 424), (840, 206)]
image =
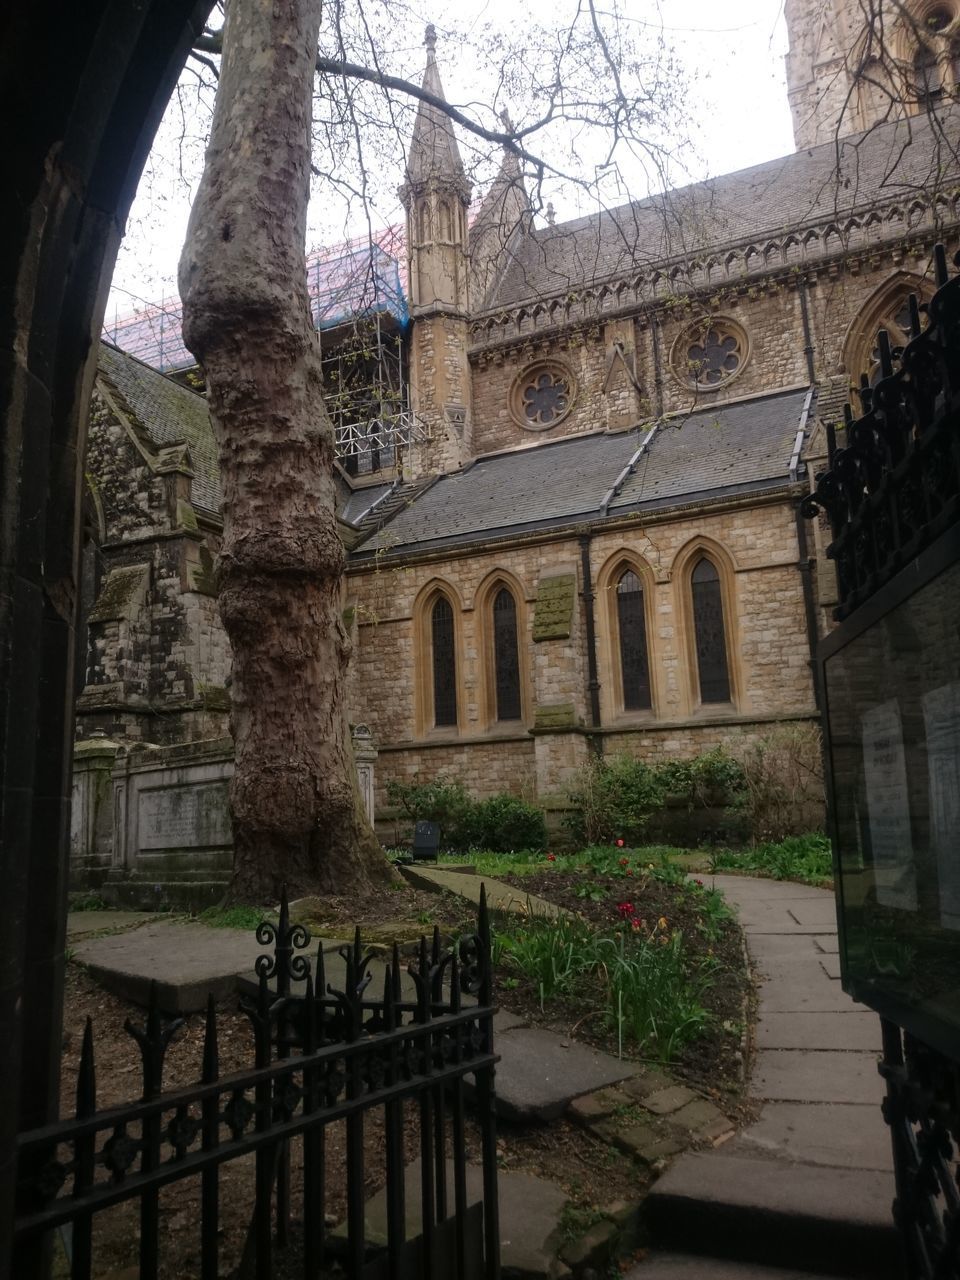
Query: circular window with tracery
[(542, 395), (709, 353)]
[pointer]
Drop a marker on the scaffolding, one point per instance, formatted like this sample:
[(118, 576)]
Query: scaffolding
[(359, 306)]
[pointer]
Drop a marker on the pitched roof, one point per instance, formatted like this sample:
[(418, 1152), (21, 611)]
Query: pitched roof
[(713, 452), (166, 413), (895, 161)]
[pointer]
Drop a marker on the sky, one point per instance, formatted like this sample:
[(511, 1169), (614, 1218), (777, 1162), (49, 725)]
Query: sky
[(734, 113)]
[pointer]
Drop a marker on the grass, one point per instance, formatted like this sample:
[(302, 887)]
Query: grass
[(233, 917), (804, 858), (643, 982)]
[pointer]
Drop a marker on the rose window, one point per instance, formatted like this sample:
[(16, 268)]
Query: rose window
[(545, 399), (714, 359), (709, 353), (542, 396)]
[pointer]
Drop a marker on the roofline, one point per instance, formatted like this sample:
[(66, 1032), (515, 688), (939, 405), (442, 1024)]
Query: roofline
[(153, 369), (762, 492)]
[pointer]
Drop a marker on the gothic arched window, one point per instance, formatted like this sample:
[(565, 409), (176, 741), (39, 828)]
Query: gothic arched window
[(709, 632), (443, 654), (634, 659), (506, 656)]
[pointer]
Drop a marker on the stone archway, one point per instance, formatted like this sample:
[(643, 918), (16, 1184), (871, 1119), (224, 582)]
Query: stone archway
[(83, 87)]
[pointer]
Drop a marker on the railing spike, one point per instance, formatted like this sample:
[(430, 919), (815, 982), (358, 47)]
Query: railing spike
[(886, 357), (940, 268), (395, 969), (309, 1016), (454, 984), (211, 1048), (86, 1075), (357, 949), (435, 946), (915, 329)]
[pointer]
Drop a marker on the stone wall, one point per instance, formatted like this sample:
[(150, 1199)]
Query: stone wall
[(767, 644)]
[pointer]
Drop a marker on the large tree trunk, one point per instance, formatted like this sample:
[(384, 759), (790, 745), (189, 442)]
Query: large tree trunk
[(297, 814)]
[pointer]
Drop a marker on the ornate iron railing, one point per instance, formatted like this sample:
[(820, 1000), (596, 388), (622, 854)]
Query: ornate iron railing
[(894, 486), (320, 1057), (922, 1107)]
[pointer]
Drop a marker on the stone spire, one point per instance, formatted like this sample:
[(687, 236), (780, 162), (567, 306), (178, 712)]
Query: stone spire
[(504, 216), (433, 148)]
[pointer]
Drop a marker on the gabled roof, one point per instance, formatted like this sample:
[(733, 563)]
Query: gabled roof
[(899, 161), (166, 413), (711, 453)]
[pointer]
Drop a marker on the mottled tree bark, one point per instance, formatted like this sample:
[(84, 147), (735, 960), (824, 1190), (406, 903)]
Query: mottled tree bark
[(297, 814)]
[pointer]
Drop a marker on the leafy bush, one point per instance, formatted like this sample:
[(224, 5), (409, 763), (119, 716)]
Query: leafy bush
[(502, 824), (713, 778), (783, 783), (614, 799), (443, 801), (806, 858)]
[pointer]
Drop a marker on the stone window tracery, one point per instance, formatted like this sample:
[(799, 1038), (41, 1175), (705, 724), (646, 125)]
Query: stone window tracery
[(506, 656), (443, 654), (634, 657), (709, 353), (542, 395), (710, 632)]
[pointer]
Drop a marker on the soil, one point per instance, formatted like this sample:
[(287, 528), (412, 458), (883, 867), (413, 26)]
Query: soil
[(589, 1171), (714, 1062), (593, 1175), (398, 911)]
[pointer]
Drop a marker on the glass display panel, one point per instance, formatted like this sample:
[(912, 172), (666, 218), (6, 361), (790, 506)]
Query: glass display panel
[(893, 706)]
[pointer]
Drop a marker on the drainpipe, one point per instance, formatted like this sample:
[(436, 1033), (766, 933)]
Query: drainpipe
[(657, 371), (593, 682), (805, 565), (807, 339)]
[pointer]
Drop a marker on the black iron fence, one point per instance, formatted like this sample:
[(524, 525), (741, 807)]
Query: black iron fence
[(894, 486), (320, 1055)]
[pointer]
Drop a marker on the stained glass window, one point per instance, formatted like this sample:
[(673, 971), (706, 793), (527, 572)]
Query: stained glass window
[(545, 398), (444, 665), (714, 358), (709, 631), (634, 666), (506, 656)]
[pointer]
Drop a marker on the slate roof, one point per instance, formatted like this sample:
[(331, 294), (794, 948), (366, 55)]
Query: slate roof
[(729, 449), (896, 160), (166, 413)]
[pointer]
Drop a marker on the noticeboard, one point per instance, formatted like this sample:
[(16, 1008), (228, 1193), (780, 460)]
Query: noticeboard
[(891, 682)]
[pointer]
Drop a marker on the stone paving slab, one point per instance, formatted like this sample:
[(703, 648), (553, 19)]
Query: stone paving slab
[(678, 1266), (775, 1211), (844, 1135), (817, 1075), (744, 889), (849, 1029), (81, 923), (814, 911), (540, 1073), (829, 946), (530, 1211), (770, 946), (831, 966), (796, 994), (500, 897)]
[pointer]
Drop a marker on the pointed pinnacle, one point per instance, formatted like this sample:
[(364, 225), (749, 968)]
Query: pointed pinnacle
[(430, 38)]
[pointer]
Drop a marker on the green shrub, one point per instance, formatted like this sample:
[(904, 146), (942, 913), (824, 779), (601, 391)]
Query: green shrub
[(613, 799), (502, 823), (442, 800), (714, 778), (806, 858)]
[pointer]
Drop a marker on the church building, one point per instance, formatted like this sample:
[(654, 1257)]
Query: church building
[(572, 514)]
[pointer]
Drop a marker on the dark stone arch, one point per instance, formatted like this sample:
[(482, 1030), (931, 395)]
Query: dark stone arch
[(82, 88)]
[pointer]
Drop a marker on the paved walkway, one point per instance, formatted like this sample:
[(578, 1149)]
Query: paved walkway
[(809, 1183)]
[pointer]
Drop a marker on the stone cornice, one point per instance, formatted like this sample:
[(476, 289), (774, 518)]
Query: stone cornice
[(847, 242)]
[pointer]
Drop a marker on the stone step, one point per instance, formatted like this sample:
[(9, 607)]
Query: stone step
[(778, 1213), (679, 1266), (186, 893)]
